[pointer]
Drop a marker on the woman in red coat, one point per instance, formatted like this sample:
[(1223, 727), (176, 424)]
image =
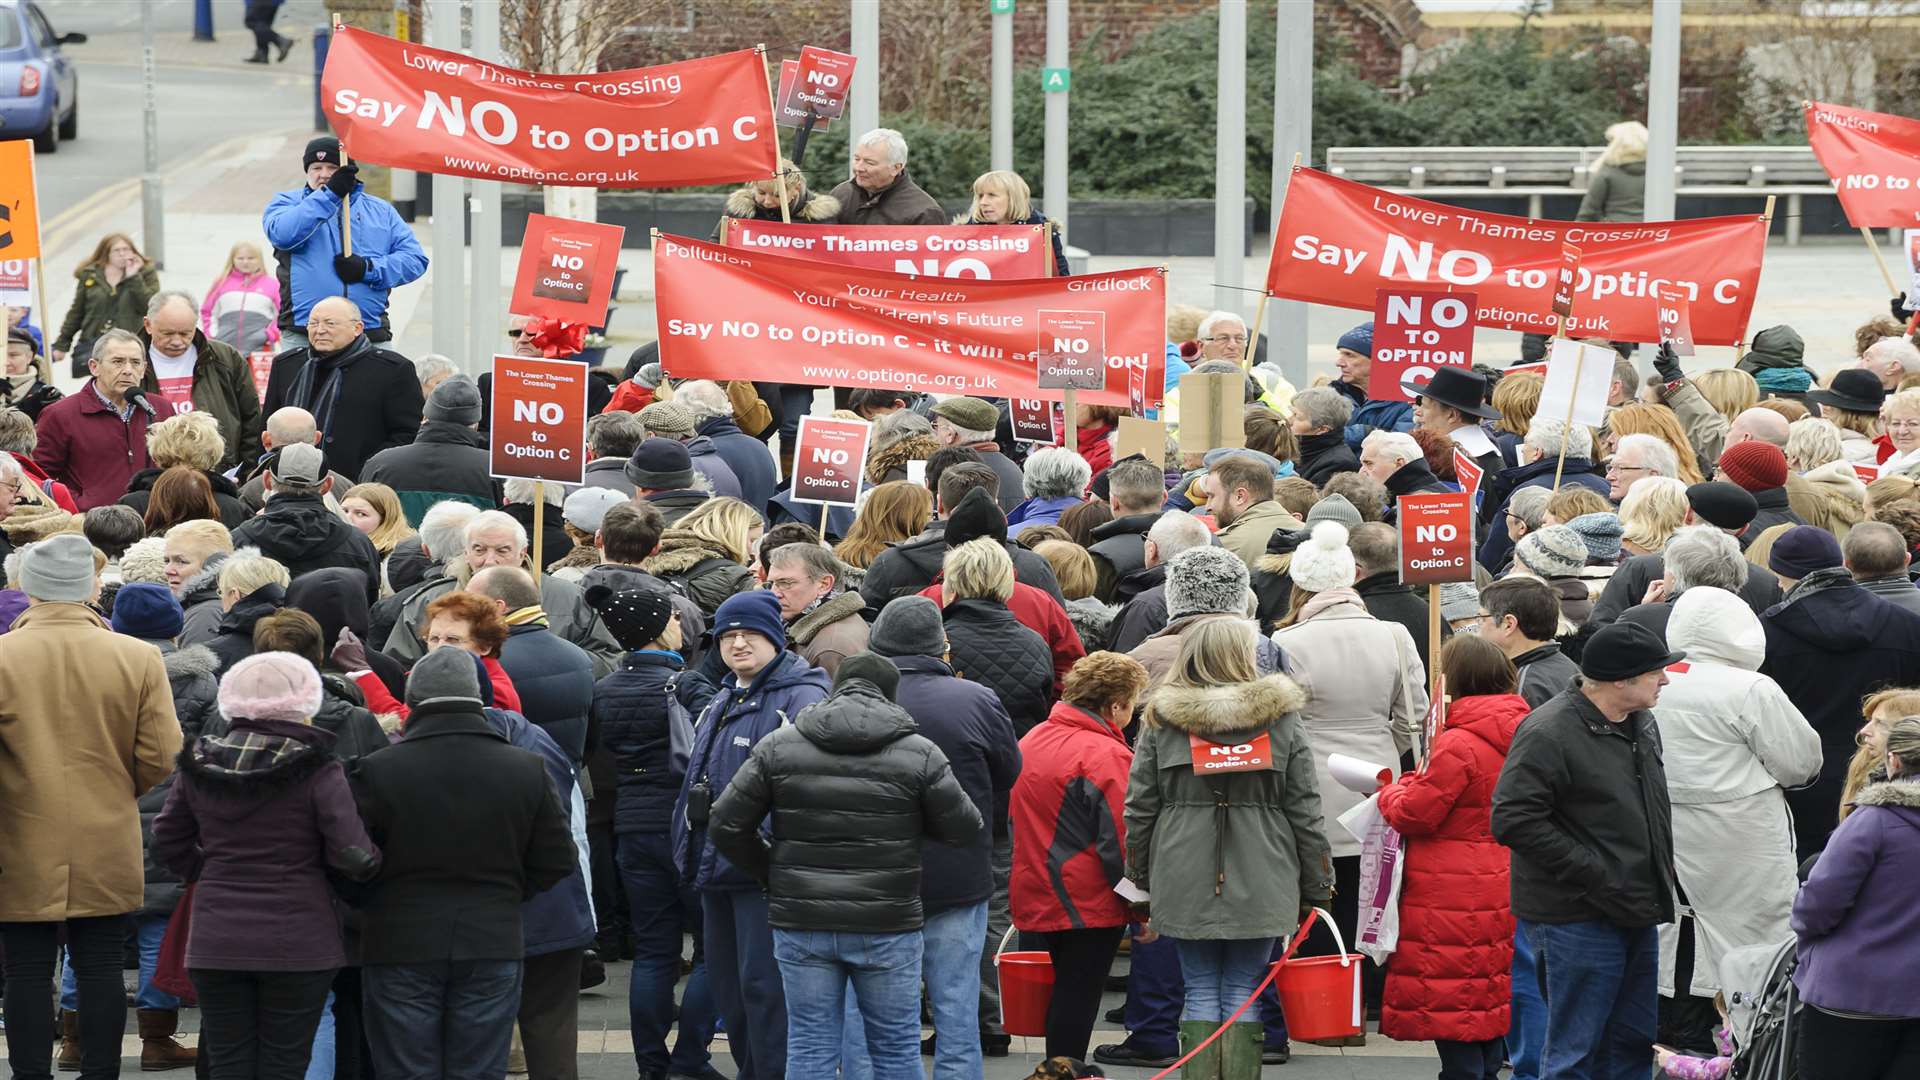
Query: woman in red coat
[(1448, 979)]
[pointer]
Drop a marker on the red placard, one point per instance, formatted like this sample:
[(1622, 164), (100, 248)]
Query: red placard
[(1436, 538), (566, 269), (1037, 421), (1565, 279), (539, 413), (16, 275), (960, 251), (821, 83), (1137, 391), (829, 457), (1538, 368), (1432, 724), (1874, 160), (1676, 322), (1415, 331), (1212, 757), (785, 112), (728, 314), (1468, 472), (1070, 350), (704, 121), (1867, 473), (262, 365), (1339, 241)]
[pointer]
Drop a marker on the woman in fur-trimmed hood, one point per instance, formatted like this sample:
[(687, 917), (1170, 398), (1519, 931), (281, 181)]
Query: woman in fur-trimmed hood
[(1231, 855), (760, 200)]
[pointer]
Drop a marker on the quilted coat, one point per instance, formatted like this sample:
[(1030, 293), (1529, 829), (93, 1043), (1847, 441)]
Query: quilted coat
[(1448, 978), (987, 645)]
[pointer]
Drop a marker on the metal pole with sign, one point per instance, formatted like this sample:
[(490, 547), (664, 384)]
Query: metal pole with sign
[(1000, 111), (449, 220), (1230, 159), (1055, 81), (863, 107)]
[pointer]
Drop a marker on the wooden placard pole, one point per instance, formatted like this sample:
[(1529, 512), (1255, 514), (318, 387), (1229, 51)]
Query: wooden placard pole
[(539, 526), (1579, 359), (779, 173), (1433, 645), (46, 326), (1886, 272)]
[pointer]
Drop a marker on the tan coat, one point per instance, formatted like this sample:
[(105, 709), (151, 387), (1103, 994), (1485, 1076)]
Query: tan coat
[(86, 727), (831, 632), (1248, 535)]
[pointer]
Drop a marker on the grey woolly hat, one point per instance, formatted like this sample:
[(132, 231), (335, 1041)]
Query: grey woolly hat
[(1459, 600), (445, 674), (1601, 533), (909, 626), (1555, 551), (58, 569), (456, 400), (1206, 581), (1333, 508)]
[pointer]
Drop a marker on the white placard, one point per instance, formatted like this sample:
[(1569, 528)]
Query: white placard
[(1580, 373)]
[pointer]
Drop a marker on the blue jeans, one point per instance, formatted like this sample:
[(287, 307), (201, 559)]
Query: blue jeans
[(950, 966), (1529, 1028), (320, 1064), (884, 969), (446, 1019), (147, 930), (1220, 974), (1600, 982), (662, 911), (746, 981)]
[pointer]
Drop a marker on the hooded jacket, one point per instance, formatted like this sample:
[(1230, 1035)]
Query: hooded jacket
[(1731, 742), (1615, 192), (748, 457), (364, 397), (1119, 548), (200, 600), (1229, 855), (1248, 535), (303, 535), (1831, 498), (303, 225), (710, 463), (1069, 829), (1158, 653), (905, 569), (1629, 582), (852, 792), (700, 569), (1449, 974), (630, 711), (336, 597), (986, 644), (1143, 609), (99, 307), (226, 495), (445, 461), (1830, 643), (735, 720), (1855, 916), (223, 388), (805, 206), (1583, 805), (899, 203), (1777, 363), (257, 819), (970, 726)]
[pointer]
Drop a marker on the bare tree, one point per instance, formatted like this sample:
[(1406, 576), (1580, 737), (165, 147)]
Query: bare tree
[(570, 35)]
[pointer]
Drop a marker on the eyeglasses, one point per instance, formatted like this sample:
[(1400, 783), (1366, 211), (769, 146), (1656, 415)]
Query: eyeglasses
[(1616, 467), (330, 324), (1228, 339), (781, 585), (1903, 425)]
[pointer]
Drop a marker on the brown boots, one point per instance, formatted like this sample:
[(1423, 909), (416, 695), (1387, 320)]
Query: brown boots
[(158, 1050), (69, 1059)]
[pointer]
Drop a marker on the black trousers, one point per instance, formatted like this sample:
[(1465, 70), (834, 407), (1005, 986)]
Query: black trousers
[(1346, 915), (1838, 1048), (259, 1024), (95, 945), (550, 1014), (1081, 959), (352, 1057), (1471, 1060), (259, 19), (609, 898)]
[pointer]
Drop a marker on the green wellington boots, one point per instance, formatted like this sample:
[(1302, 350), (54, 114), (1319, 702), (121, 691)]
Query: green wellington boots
[(1206, 1064)]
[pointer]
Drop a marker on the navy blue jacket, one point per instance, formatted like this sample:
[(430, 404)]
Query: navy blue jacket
[(554, 678), (630, 711), (748, 457), (723, 737), (1496, 550), (561, 917), (968, 723), (1371, 415)]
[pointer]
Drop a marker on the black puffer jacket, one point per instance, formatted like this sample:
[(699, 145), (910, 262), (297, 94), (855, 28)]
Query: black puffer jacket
[(445, 461), (1119, 548), (200, 600), (630, 712), (196, 704), (226, 495), (233, 642), (853, 791), (301, 534), (554, 678), (987, 645)]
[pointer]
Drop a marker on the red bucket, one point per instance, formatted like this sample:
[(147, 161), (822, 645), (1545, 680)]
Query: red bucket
[(1026, 987), (1321, 995)]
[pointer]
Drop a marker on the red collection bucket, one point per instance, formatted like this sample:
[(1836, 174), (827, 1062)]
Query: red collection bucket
[(1026, 988), (1321, 995)]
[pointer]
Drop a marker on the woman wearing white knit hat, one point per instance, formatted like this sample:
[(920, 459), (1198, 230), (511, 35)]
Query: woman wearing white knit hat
[(1366, 694)]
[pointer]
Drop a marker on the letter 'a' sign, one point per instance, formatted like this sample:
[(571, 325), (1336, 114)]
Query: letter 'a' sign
[(1212, 757), (539, 415), (1675, 319), (1414, 332), (1072, 350), (1436, 538), (566, 269), (829, 457)]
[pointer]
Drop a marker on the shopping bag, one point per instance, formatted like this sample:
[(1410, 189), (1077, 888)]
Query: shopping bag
[(1382, 852), (170, 968)]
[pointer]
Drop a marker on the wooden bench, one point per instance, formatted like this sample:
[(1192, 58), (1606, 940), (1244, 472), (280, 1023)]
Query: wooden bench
[(1535, 172)]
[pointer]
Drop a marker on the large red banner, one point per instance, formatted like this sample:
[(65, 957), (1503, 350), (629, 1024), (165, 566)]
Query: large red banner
[(725, 313), (980, 251), (1874, 160), (705, 121), (1339, 241)]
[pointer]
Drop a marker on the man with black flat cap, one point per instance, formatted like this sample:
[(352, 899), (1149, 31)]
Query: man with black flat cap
[(1582, 803), (1452, 403)]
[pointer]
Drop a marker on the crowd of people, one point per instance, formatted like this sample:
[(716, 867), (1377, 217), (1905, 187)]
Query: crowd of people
[(300, 707)]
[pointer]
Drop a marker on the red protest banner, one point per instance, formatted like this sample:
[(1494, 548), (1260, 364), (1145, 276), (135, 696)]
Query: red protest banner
[(1468, 472), (1436, 538), (1676, 325), (829, 457), (1565, 279), (979, 251), (1071, 347), (1340, 241), (727, 314), (1874, 160), (704, 121), (1415, 331), (566, 269), (539, 413), (1037, 421), (820, 83)]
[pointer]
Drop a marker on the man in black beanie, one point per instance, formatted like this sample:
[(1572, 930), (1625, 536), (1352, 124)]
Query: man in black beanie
[(1582, 802)]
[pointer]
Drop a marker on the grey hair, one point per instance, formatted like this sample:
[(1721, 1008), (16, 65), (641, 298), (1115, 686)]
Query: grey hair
[(1896, 349), (895, 143), (1324, 407), (17, 433), (1053, 472), (291, 424), (704, 398), (1548, 436), (116, 335), (1529, 504), (167, 296), (815, 559), (1655, 454), (433, 365), (1702, 555), (1176, 532), (1396, 443), (9, 468), (443, 529), (897, 425), (1811, 443), (490, 521), (616, 433), (1214, 318), (525, 491)]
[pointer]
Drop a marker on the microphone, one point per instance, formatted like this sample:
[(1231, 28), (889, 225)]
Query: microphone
[(139, 397)]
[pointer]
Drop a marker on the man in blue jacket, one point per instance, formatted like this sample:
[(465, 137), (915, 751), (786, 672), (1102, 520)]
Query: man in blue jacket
[(304, 225), (1354, 358)]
